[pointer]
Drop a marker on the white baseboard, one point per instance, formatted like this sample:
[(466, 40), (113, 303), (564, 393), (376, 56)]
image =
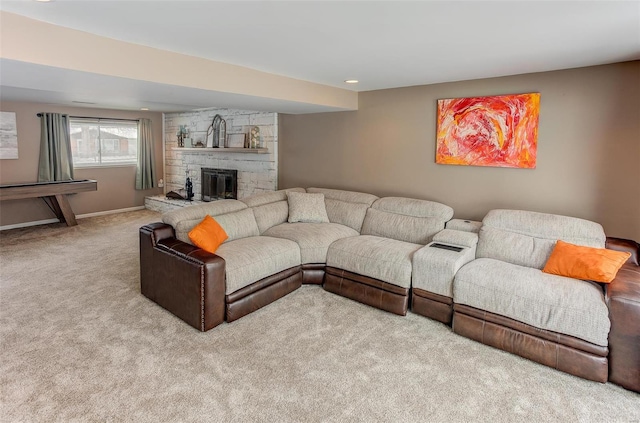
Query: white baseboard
[(27, 224), (106, 212), (80, 216)]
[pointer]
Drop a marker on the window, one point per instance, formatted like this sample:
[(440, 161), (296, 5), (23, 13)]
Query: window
[(103, 142)]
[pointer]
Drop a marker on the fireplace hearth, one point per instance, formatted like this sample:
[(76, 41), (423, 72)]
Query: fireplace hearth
[(219, 184)]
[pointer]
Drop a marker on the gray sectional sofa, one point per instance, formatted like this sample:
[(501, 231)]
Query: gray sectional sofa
[(483, 278)]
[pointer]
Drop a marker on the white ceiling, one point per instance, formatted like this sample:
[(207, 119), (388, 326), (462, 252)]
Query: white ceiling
[(384, 44)]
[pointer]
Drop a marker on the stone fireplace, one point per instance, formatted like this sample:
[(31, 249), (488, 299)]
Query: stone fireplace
[(219, 184), (256, 171)]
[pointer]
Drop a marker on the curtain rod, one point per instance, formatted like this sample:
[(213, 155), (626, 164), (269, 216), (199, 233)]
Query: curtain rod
[(98, 118)]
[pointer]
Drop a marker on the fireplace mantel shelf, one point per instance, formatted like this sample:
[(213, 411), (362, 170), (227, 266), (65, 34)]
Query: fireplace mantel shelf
[(222, 150)]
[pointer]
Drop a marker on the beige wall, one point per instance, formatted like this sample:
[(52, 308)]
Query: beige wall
[(116, 185), (588, 148)]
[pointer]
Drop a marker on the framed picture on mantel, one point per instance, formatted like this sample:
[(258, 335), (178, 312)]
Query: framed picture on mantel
[(236, 140)]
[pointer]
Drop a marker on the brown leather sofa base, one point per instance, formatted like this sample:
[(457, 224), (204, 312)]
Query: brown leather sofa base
[(313, 273), (263, 292), (623, 299), (434, 306), (561, 352), (183, 279), (373, 292)]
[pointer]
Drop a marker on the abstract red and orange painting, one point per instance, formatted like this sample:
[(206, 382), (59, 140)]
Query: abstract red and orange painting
[(500, 131)]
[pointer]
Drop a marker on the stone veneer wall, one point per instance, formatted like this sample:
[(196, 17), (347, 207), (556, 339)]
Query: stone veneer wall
[(256, 172)]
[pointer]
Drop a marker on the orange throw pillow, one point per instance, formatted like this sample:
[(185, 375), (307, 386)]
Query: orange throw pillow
[(594, 264), (208, 234)]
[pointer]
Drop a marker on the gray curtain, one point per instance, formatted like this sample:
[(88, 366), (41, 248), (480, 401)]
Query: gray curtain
[(146, 169), (56, 162)]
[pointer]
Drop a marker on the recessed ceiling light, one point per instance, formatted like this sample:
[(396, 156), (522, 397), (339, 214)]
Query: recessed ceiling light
[(351, 81), (43, 1), (144, 108)]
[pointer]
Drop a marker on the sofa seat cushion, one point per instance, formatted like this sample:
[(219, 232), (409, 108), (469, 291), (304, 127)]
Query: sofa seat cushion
[(312, 238), (385, 259), (555, 303), (250, 259)]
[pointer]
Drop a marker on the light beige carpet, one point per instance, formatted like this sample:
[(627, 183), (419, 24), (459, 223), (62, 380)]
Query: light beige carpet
[(80, 343)]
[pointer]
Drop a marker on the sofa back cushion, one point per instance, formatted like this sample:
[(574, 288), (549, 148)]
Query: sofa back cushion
[(346, 207), (185, 219), (527, 238), (264, 198), (270, 208), (227, 213), (238, 224), (406, 219)]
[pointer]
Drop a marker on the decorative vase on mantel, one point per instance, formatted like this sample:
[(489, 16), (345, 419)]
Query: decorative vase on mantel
[(254, 137), (181, 135)]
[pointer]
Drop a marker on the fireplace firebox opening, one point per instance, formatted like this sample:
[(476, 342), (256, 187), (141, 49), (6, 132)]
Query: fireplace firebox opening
[(219, 184)]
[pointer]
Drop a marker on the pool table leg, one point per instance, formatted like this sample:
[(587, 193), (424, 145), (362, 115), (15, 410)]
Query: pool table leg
[(61, 207)]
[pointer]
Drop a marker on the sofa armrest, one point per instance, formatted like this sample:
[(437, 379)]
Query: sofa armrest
[(184, 279), (620, 244), (158, 231), (623, 299), (464, 225), (456, 237)]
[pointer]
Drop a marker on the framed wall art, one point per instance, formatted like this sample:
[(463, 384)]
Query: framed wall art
[(8, 136), (499, 131)]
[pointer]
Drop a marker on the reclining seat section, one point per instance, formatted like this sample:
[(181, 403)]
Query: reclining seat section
[(247, 272), (375, 267), (345, 209), (503, 298)]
